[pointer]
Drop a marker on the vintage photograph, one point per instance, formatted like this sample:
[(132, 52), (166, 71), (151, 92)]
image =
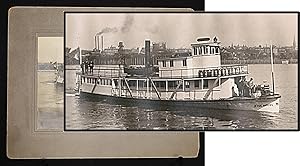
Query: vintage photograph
[(180, 71), (50, 89)]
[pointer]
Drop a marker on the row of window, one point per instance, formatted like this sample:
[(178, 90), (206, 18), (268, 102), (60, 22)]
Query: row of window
[(206, 50), (174, 84), (99, 81), (158, 84), (164, 63)]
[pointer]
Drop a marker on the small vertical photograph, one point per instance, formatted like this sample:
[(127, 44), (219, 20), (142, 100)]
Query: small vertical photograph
[(181, 71), (50, 83)]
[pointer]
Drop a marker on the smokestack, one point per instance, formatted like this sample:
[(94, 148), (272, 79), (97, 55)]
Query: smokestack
[(147, 56), (102, 42), (95, 41), (98, 42), (147, 53)]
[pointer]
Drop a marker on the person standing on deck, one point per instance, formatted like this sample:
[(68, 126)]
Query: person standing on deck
[(82, 67), (241, 86), (250, 86), (86, 66), (245, 87), (91, 67), (235, 91)]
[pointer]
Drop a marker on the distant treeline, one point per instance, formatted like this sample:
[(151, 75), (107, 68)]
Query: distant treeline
[(258, 61), (45, 66)]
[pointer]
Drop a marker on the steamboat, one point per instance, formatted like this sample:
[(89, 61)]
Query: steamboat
[(59, 73), (195, 80)]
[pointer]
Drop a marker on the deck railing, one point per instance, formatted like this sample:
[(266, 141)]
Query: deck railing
[(226, 70)]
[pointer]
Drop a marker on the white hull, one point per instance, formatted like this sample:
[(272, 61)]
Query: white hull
[(268, 104)]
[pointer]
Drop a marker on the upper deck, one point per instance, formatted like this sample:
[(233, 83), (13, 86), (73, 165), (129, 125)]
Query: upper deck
[(224, 71)]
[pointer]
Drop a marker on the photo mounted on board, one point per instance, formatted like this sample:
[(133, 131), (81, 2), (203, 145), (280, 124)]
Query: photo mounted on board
[(181, 71)]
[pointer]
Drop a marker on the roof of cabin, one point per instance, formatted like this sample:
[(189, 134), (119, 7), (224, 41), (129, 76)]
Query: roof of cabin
[(176, 55)]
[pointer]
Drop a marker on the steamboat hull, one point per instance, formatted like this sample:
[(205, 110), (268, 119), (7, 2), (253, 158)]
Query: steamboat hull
[(269, 103)]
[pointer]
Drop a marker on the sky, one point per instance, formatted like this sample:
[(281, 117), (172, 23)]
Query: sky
[(179, 30), (50, 49)]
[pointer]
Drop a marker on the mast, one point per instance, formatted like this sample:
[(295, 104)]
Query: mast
[(80, 58), (272, 70)]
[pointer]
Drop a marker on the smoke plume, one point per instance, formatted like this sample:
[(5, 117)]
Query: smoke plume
[(124, 28), (127, 24), (108, 30)]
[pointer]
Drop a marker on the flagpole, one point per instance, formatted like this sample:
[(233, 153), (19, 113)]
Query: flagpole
[(80, 58), (272, 70)]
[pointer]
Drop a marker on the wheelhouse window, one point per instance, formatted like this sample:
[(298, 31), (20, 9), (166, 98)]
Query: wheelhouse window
[(212, 50), (196, 51), (171, 63), (164, 63), (184, 62), (217, 50)]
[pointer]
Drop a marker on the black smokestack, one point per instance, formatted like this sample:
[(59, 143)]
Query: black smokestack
[(147, 56)]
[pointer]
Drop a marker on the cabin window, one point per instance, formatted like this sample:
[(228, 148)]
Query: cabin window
[(171, 63), (171, 84), (141, 83), (132, 83), (184, 62), (164, 63), (98, 81), (187, 84), (205, 84), (195, 50), (200, 50), (160, 84), (109, 82), (197, 84)]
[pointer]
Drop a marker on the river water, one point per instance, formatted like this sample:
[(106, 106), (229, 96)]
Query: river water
[(92, 114)]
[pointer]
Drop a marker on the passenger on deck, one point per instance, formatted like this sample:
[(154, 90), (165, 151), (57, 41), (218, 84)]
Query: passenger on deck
[(245, 87), (86, 66), (82, 67), (91, 67), (241, 86), (235, 91), (250, 85)]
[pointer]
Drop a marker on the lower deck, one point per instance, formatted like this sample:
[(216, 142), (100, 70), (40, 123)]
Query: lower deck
[(212, 88)]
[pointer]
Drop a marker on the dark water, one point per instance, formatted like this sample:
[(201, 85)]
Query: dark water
[(50, 102), (90, 113)]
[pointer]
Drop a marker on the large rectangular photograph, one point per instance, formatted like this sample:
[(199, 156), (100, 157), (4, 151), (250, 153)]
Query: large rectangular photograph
[(181, 71)]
